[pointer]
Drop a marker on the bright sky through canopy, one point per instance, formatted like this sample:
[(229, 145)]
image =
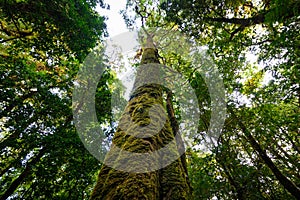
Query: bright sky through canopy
[(115, 22)]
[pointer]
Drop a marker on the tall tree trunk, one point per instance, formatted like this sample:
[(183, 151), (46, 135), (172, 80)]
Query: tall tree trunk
[(137, 133), (283, 180)]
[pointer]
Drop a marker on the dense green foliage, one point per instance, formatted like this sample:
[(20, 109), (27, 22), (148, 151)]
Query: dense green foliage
[(42, 44)]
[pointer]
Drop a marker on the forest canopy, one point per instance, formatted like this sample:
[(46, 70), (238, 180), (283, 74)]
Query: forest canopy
[(254, 45)]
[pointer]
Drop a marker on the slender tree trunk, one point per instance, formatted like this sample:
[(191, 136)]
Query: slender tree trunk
[(18, 181), (167, 182), (285, 182)]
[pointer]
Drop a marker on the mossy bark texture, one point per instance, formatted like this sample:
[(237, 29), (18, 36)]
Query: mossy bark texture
[(145, 127)]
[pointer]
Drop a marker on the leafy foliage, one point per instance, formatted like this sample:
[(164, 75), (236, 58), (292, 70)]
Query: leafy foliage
[(42, 44)]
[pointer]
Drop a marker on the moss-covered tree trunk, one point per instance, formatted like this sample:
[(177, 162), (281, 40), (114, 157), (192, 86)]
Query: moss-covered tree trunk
[(143, 130)]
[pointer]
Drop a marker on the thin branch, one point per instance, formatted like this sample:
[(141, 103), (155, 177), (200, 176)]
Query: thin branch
[(258, 19), (258, 43), (239, 29), (3, 41)]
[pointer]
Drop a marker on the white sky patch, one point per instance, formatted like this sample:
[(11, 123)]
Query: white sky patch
[(116, 26), (250, 57), (115, 22)]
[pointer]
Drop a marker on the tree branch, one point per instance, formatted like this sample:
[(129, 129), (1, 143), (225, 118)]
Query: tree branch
[(257, 43), (258, 19), (9, 39)]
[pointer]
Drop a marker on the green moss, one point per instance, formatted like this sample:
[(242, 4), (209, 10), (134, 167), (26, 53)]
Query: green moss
[(167, 183)]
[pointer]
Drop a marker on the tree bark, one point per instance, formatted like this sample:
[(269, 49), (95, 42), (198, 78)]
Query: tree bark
[(165, 183)]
